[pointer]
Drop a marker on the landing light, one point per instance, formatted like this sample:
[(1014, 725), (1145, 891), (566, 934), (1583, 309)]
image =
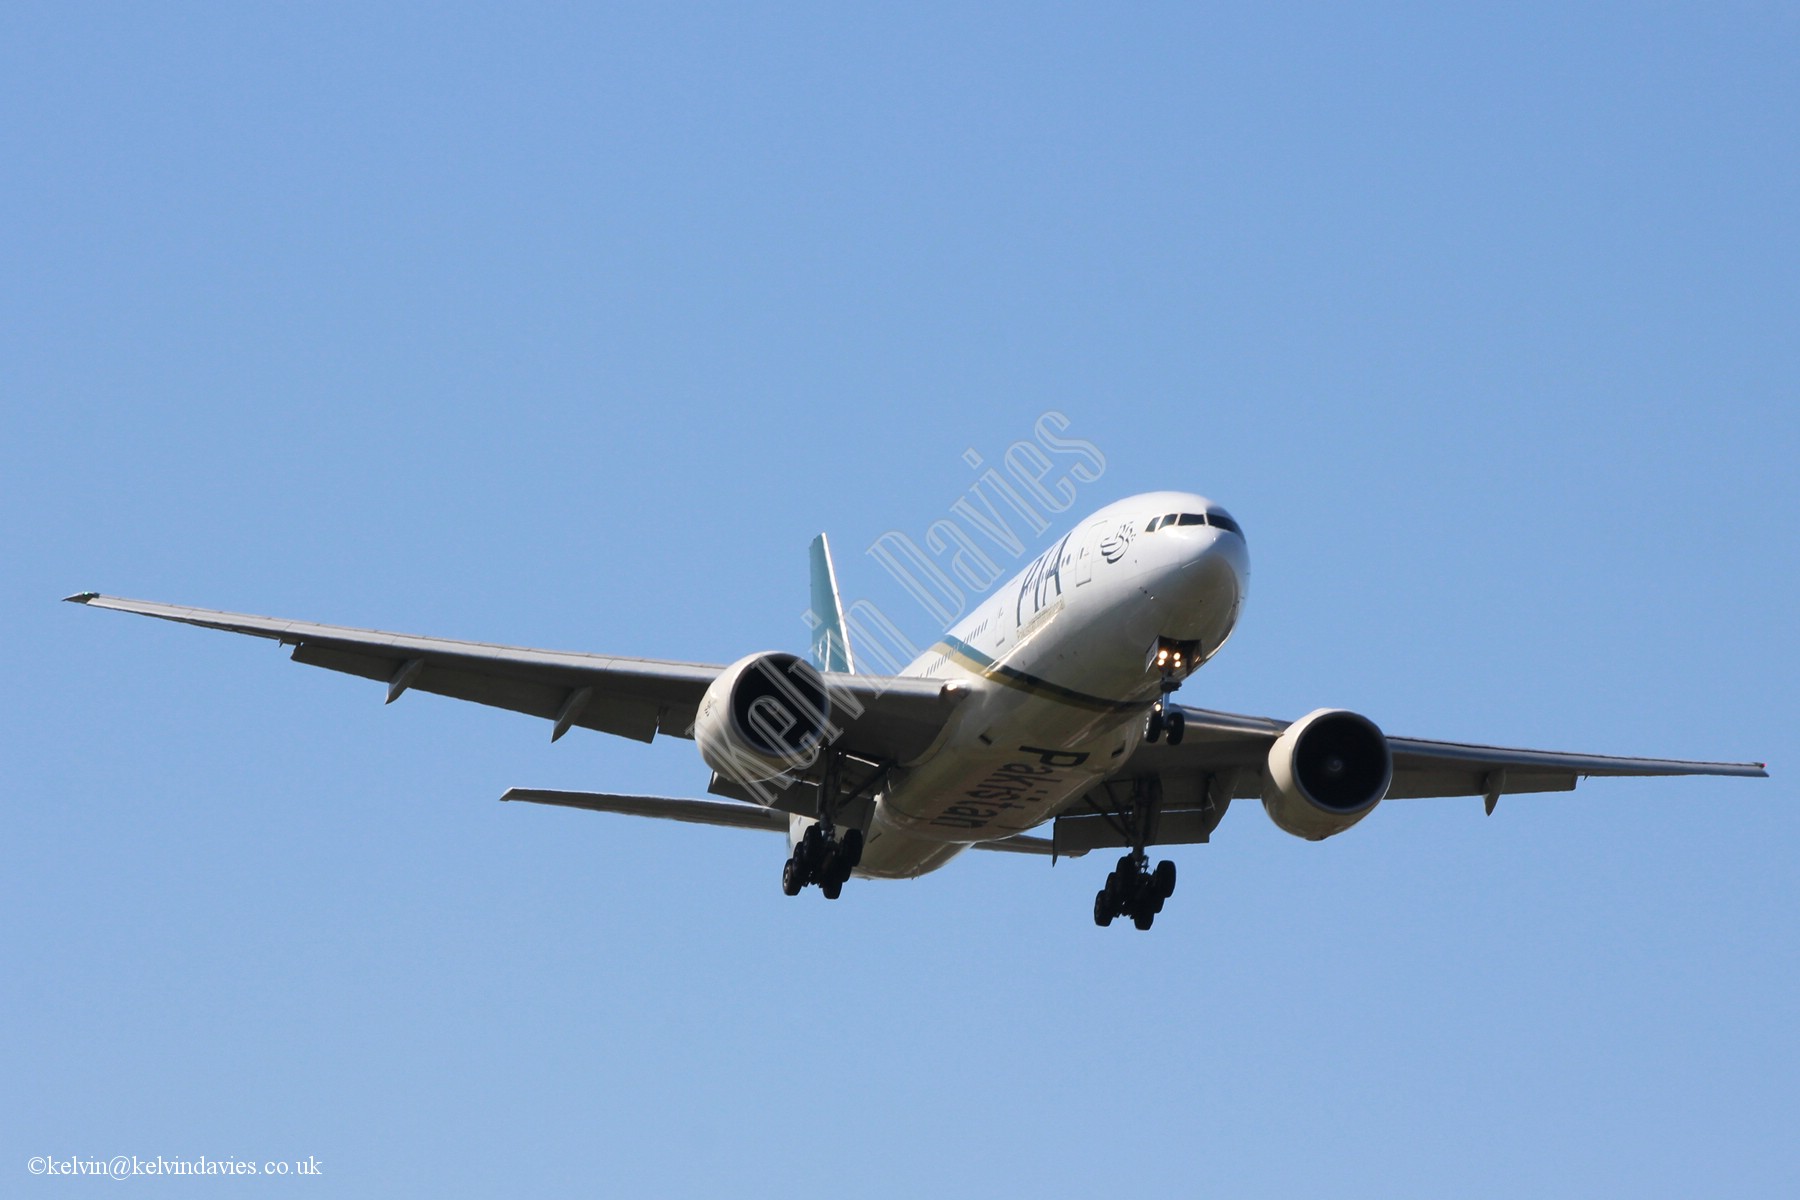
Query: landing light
[(1172, 657)]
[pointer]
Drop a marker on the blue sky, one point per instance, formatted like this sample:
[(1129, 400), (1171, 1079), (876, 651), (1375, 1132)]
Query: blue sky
[(570, 329)]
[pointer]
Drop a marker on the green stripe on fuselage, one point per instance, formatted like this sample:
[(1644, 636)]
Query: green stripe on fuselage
[(1025, 681)]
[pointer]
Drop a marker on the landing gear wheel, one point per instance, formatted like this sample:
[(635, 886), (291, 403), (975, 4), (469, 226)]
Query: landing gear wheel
[(1133, 890), (824, 853), (1118, 885), (1153, 728), (823, 859), (1177, 723)]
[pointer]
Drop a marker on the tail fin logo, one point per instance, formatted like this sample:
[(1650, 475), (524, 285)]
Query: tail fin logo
[(830, 641)]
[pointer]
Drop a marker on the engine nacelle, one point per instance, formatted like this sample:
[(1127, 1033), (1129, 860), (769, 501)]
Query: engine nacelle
[(1327, 771), (764, 716)]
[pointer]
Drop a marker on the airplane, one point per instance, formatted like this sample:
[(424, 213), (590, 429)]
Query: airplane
[(1049, 705)]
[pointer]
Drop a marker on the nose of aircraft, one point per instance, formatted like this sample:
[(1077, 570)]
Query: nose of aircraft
[(1203, 583)]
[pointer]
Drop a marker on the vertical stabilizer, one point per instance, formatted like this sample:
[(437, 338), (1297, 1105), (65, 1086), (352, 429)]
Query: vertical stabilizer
[(830, 644)]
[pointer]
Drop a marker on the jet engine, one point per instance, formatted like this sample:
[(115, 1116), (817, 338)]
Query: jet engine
[(1327, 771), (764, 716)]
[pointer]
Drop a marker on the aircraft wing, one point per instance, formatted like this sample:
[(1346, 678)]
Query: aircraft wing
[(1223, 757), (635, 698), (1235, 747)]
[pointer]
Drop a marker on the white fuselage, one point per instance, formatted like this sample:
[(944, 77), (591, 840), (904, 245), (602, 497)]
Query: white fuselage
[(1059, 663)]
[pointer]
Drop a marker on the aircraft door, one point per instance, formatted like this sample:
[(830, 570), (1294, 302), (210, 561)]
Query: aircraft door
[(1084, 554)]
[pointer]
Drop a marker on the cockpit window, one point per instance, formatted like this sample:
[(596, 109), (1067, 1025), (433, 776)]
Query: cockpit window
[(1218, 518)]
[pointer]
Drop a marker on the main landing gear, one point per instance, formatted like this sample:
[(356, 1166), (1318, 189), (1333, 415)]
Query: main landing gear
[(823, 855), (820, 858), (1134, 890)]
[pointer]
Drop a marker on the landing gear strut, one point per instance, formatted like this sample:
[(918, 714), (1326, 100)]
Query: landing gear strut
[(823, 855), (1174, 661), (1133, 889)]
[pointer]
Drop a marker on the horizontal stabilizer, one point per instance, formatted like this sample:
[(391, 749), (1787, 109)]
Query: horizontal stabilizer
[(738, 816), (697, 812), (1025, 844)]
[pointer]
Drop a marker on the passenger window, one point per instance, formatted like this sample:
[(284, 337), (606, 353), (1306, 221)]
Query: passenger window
[(1193, 519)]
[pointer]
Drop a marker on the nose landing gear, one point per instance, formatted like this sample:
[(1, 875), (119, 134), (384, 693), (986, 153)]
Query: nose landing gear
[(1174, 661), (1164, 719)]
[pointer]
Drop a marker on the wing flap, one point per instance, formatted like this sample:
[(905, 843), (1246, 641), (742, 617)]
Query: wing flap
[(625, 718), (1077, 833), (1415, 784)]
